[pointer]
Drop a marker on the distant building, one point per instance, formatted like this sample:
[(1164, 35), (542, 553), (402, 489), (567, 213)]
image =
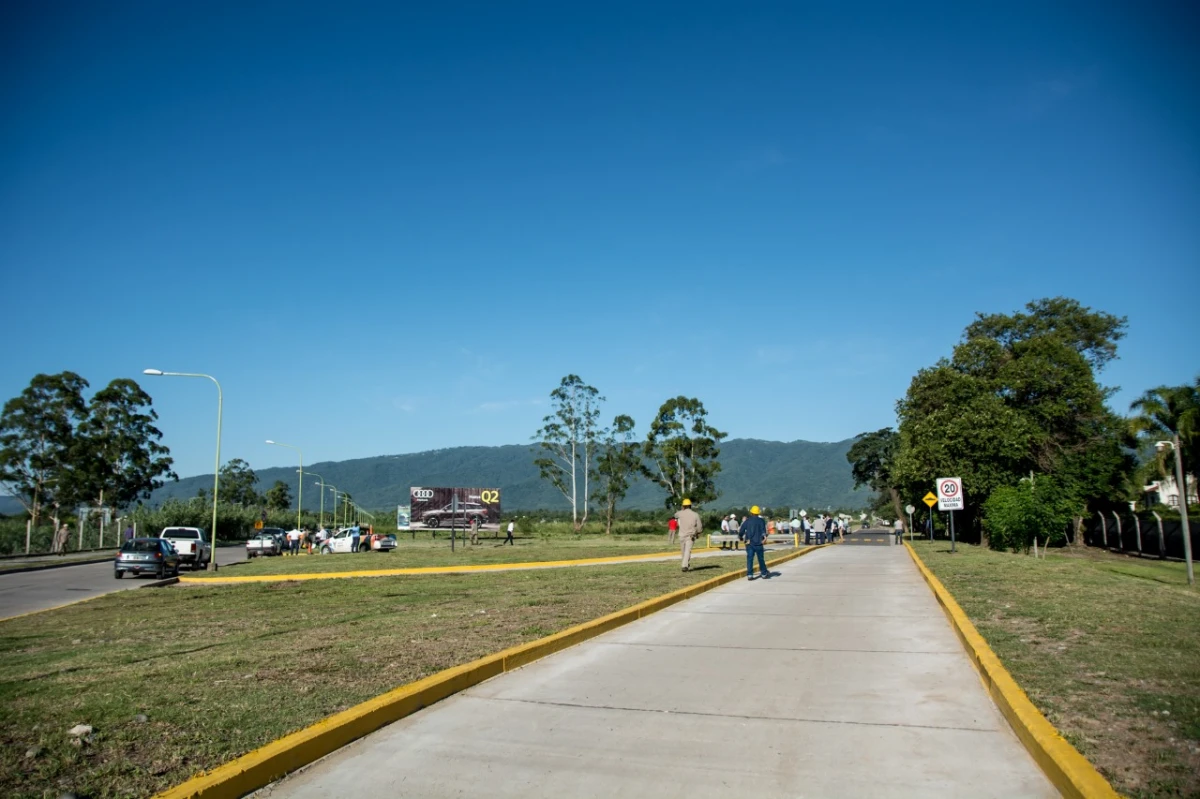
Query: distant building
[(1166, 492)]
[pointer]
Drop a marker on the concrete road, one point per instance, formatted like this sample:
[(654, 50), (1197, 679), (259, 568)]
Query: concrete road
[(49, 588), (838, 677)]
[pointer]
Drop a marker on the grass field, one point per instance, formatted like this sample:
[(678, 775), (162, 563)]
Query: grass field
[(1106, 646), (182, 679), (424, 552)]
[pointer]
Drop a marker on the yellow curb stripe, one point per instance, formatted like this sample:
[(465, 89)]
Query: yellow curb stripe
[(1066, 768), (482, 567), (268, 763)]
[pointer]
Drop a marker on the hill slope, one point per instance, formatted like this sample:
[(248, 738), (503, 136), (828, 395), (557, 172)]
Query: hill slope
[(771, 473)]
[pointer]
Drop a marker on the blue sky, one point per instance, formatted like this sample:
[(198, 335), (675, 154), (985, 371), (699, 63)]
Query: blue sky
[(389, 228)]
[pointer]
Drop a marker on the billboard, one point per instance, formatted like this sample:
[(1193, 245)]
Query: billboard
[(432, 508)]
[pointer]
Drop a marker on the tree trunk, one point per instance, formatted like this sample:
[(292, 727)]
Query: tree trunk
[(896, 506)]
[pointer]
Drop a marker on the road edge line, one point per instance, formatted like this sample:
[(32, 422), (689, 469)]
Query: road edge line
[(412, 571), (269, 763), (1068, 770)]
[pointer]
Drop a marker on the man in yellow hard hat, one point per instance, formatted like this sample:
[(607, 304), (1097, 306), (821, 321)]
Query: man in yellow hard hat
[(754, 531), (690, 528)]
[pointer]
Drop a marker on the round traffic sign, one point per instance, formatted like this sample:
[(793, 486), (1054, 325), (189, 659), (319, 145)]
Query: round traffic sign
[(948, 488)]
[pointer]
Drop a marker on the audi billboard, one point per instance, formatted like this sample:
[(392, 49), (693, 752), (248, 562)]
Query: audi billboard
[(432, 508)]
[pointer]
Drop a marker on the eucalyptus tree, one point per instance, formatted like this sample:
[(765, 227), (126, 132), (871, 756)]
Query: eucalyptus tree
[(681, 452), (239, 484), (567, 440), (117, 456), (617, 463), (278, 496), (37, 433)]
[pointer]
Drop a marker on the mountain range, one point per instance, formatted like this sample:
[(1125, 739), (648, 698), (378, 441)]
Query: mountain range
[(801, 474)]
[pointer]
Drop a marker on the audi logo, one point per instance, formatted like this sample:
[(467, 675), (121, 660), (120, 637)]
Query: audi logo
[(422, 493)]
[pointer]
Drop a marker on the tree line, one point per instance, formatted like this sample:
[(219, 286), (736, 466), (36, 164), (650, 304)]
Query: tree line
[(59, 451), (588, 462), (1017, 411)]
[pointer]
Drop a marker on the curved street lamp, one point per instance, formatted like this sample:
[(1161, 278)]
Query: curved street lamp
[(321, 482), (212, 559)]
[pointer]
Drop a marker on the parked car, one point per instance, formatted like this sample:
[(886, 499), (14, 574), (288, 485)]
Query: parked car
[(191, 543), (466, 513), (275, 532), (343, 541), (147, 556), (263, 544)]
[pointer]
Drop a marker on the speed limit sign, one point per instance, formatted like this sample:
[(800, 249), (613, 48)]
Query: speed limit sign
[(950, 493)]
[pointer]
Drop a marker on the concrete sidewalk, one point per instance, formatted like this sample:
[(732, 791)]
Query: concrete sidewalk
[(840, 677)]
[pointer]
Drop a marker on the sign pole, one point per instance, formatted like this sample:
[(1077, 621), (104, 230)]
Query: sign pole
[(952, 531)]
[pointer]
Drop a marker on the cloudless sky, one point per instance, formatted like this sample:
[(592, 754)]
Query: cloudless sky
[(394, 227)]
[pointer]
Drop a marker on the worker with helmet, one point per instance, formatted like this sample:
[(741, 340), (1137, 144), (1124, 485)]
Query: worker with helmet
[(690, 528), (754, 531)]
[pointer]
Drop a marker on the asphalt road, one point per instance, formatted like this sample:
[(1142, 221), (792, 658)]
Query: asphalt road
[(49, 588)]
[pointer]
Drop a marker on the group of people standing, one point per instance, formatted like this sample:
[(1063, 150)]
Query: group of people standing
[(753, 531)]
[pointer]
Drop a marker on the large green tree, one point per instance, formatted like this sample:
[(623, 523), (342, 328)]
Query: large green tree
[(567, 440), (278, 496), (239, 483), (37, 433), (1166, 412), (616, 465), (116, 458), (1018, 395), (681, 452), (871, 456)]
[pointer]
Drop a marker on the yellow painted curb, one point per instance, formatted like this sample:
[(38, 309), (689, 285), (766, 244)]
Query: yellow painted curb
[(465, 569), (1070, 771), (268, 763)]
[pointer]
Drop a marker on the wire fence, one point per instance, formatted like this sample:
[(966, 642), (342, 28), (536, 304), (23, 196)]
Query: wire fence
[(1143, 534)]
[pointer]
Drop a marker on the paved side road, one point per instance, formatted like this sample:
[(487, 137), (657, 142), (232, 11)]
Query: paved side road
[(839, 677), (26, 592)]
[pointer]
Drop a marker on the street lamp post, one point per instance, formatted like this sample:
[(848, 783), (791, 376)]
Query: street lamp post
[(1183, 503), (212, 558), (300, 492), (333, 515), (321, 514)]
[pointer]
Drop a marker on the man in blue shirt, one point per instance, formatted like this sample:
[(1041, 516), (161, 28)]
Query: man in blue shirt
[(753, 531)]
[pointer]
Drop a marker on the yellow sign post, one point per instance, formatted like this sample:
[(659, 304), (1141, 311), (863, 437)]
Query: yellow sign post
[(258, 525)]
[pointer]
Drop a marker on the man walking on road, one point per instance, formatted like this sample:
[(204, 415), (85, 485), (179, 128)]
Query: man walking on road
[(509, 539), (59, 544), (899, 528), (753, 532), (690, 528)]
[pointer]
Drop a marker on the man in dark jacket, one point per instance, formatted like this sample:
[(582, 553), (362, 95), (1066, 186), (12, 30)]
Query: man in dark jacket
[(753, 531)]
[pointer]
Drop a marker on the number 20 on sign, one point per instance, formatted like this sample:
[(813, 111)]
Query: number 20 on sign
[(950, 493)]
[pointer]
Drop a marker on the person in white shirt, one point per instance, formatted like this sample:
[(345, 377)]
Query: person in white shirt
[(509, 539), (293, 538)]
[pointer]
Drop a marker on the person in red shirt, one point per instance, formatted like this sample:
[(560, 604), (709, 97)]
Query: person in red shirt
[(672, 530)]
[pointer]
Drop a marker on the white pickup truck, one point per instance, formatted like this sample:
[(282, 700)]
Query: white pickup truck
[(190, 543)]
